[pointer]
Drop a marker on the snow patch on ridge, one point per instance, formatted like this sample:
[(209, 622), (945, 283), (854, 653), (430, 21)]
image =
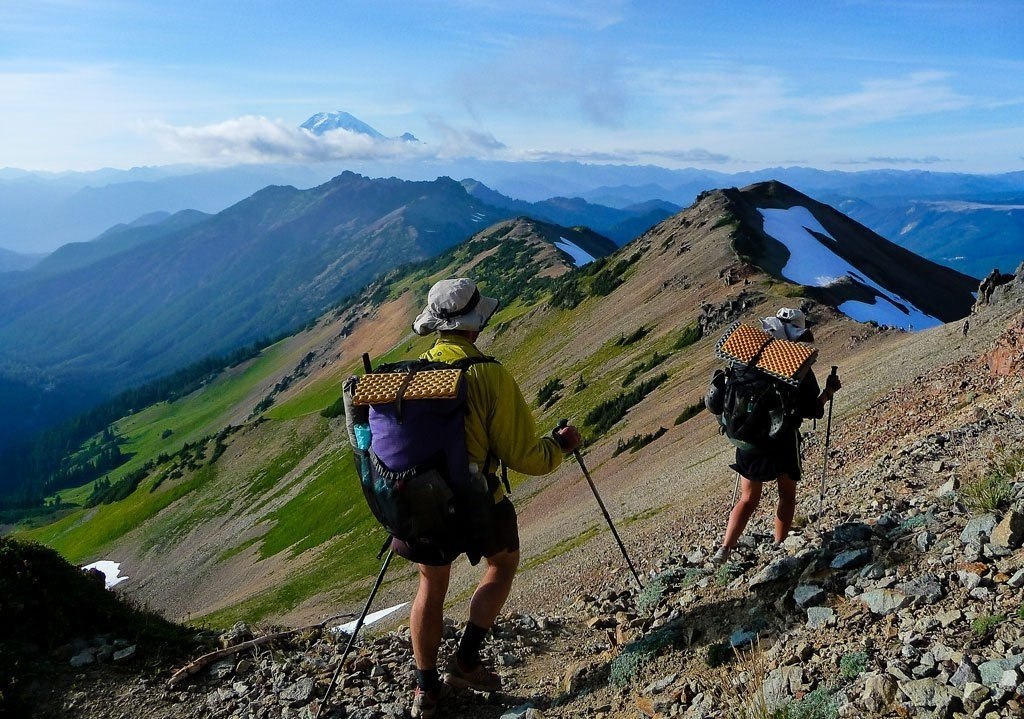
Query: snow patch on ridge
[(579, 257), (370, 619), (814, 264), (111, 571)]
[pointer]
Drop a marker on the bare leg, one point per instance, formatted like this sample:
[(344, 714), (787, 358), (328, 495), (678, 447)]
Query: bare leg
[(750, 497), (494, 588), (426, 617), (787, 505)]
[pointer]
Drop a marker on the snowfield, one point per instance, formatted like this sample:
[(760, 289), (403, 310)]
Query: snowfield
[(579, 256), (111, 571), (811, 262)]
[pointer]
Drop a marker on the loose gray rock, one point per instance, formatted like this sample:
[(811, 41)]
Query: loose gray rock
[(1017, 580), (1009, 533), (523, 711), (780, 686), (808, 595), (298, 693), (992, 671), (884, 601), (879, 692), (781, 567), (83, 658), (965, 674), (852, 532), (124, 654), (979, 528), (742, 638), (818, 617), (852, 559), (660, 685), (924, 693), (925, 589)]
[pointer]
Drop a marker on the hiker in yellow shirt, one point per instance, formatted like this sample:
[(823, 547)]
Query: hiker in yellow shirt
[(499, 426)]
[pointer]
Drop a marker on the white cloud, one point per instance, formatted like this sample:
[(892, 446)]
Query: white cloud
[(259, 139), (920, 93)]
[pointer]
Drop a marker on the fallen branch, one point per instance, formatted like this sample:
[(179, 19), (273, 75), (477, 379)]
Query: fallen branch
[(208, 659)]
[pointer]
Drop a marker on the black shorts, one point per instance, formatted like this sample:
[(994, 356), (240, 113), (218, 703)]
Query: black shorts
[(765, 464), (502, 537)]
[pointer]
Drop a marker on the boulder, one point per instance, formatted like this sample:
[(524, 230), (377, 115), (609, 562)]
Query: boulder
[(781, 567), (965, 674), (1009, 533), (298, 693), (851, 559), (924, 693), (808, 595), (884, 601), (992, 671), (879, 692), (979, 528), (852, 533), (780, 686), (925, 589), (818, 617)]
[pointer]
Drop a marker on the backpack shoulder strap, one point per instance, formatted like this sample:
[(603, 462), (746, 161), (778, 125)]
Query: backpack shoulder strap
[(467, 362)]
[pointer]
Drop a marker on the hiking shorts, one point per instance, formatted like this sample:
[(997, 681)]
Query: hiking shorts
[(502, 537), (765, 464)]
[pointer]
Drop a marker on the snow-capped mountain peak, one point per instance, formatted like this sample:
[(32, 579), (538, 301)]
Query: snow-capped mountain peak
[(323, 122)]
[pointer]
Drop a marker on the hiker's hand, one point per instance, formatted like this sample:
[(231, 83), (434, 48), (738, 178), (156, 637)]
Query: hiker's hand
[(832, 384), (568, 437)]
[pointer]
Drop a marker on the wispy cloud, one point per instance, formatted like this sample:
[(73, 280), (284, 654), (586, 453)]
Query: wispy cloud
[(259, 139), (888, 160), (920, 93), (696, 155), (546, 78)]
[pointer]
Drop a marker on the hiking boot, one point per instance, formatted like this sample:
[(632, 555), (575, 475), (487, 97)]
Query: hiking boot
[(479, 678), (721, 556), (424, 704)]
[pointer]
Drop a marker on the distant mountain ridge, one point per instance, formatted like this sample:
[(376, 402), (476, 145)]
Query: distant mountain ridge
[(140, 302)]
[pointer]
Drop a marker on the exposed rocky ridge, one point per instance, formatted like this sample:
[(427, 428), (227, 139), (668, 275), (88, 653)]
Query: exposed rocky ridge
[(898, 601)]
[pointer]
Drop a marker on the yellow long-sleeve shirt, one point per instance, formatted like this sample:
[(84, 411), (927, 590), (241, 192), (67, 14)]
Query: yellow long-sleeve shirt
[(498, 421)]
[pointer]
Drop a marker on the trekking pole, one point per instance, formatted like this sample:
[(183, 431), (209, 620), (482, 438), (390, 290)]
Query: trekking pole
[(355, 631), (828, 438), (736, 490), (579, 458)]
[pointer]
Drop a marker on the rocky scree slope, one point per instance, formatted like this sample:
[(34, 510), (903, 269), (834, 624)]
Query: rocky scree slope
[(902, 599)]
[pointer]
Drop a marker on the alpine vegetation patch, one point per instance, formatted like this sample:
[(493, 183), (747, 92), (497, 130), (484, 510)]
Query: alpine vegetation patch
[(603, 416)]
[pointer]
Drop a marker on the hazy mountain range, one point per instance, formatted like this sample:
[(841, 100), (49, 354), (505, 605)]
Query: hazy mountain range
[(41, 211)]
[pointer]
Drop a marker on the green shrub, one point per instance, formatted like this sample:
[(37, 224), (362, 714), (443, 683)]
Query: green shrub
[(689, 412), (726, 573), (853, 664), (636, 370), (690, 334), (818, 704), (603, 416), (627, 664), (985, 624), (987, 493), (549, 391), (635, 336), (637, 441)]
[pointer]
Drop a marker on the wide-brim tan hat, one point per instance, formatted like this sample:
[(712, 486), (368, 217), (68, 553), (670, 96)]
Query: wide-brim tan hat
[(455, 304)]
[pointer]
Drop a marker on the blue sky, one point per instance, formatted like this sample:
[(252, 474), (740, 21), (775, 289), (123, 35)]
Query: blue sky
[(721, 85)]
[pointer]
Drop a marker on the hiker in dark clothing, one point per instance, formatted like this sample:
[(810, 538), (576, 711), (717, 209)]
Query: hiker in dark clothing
[(499, 426), (779, 459)]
